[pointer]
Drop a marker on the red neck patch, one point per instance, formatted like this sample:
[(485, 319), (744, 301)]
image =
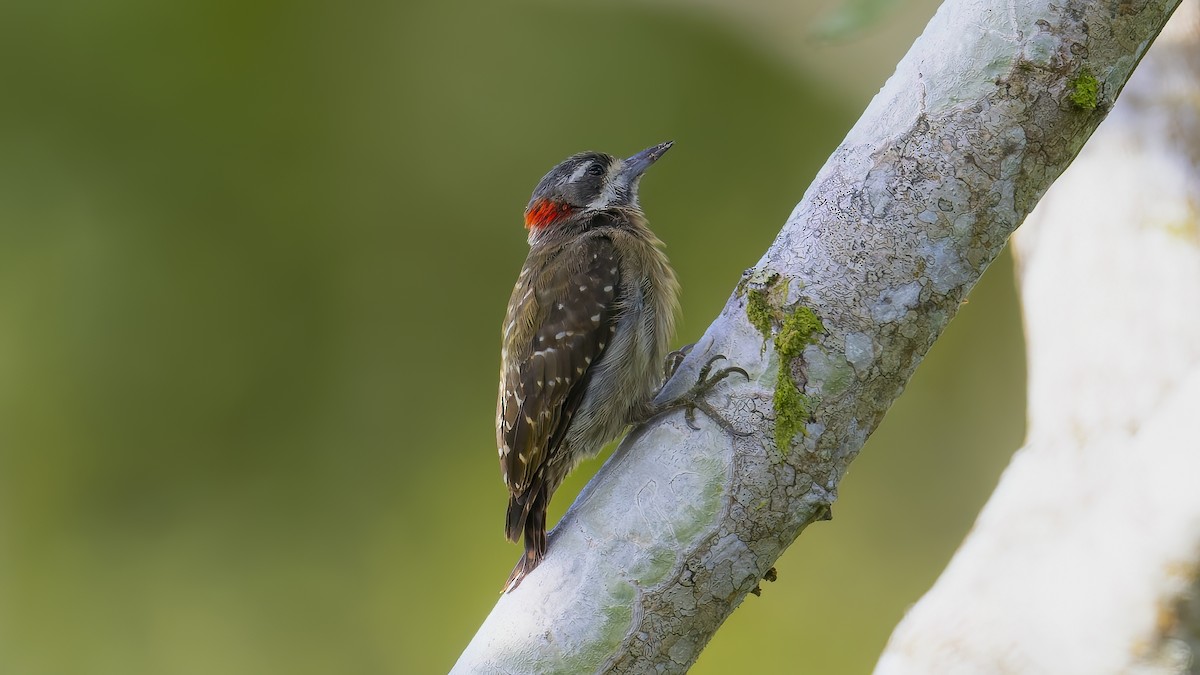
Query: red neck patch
[(544, 212)]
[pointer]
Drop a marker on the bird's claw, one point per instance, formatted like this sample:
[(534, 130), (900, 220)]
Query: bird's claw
[(675, 359), (706, 382), (694, 398)]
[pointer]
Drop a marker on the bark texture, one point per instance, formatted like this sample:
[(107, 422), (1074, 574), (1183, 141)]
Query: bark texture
[(1085, 559), (986, 110)]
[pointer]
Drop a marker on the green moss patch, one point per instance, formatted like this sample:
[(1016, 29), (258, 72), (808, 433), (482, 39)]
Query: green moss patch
[(764, 295), (797, 330), (1085, 90), (759, 311), (792, 407)]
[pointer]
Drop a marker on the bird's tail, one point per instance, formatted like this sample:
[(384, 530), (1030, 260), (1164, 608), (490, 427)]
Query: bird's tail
[(518, 511), (527, 513)]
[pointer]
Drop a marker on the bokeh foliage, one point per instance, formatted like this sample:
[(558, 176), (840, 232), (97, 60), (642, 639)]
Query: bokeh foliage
[(253, 261)]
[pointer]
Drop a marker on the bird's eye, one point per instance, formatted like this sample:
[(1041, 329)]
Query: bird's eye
[(595, 169)]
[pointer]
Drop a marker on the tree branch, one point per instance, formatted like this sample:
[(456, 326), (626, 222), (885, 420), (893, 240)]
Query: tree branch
[(985, 111), (1085, 557)]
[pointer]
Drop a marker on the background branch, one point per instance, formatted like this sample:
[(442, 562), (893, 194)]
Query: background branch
[(1086, 556), (989, 106)]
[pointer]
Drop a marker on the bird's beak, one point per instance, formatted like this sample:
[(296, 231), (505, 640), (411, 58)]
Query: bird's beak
[(633, 167)]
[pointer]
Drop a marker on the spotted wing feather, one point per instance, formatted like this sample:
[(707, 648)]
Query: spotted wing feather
[(570, 313)]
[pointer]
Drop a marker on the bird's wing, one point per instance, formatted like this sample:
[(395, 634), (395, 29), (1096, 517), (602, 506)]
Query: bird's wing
[(573, 318)]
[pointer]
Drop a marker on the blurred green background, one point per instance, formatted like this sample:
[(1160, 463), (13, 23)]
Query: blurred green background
[(253, 262)]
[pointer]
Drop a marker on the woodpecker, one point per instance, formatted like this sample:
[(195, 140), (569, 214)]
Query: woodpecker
[(588, 325)]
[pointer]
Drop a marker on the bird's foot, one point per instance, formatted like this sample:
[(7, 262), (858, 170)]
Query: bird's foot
[(693, 399)]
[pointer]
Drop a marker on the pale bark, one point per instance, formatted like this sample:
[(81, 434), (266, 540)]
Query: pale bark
[(948, 159), (1085, 558)]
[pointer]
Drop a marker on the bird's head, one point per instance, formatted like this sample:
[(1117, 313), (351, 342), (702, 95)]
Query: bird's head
[(588, 182)]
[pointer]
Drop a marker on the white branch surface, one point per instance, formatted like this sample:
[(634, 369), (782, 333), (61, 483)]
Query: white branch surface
[(1082, 560), (943, 165)]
